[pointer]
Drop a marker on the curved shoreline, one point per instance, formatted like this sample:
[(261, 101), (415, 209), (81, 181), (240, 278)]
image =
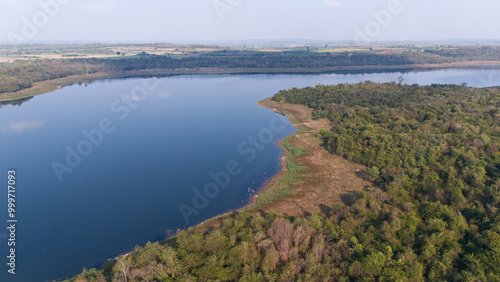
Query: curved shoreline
[(48, 86), (204, 225), (307, 195), (285, 155), (265, 187)]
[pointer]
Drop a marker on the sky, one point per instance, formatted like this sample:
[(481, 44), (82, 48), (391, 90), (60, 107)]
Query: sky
[(226, 20)]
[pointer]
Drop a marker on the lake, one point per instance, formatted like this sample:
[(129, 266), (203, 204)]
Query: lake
[(105, 166)]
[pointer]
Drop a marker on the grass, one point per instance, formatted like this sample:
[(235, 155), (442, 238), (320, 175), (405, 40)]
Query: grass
[(298, 151), (292, 176), (294, 166), (301, 129)]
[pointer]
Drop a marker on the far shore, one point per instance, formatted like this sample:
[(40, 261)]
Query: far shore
[(48, 86)]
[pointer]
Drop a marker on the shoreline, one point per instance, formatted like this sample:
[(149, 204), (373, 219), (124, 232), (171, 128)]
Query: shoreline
[(283, 158), (323, 179), (250, 205), (307, 195), (48, 86), (204, 225), (292, 206)]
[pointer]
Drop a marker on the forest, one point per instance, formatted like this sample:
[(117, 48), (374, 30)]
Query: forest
[(433, 153), (22, 74)]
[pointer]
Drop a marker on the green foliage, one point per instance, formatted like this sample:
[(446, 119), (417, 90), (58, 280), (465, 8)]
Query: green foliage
[(294, 151), (432, 147), (433, 151), (374, 172), (91, 275)]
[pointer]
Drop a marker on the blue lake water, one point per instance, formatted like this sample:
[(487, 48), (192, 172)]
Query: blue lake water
[(140, 158)]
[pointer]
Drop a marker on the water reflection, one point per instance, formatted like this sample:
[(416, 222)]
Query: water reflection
[(21, 126), (18, 102)]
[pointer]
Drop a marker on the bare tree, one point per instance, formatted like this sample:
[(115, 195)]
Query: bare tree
[(123, 266), (280, 232), (319, 248), (301, 238)]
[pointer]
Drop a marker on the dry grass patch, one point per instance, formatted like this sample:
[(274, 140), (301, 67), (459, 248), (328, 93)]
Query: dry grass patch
[(327, 180)]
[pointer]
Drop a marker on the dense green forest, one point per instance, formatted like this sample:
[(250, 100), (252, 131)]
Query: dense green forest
[(433, 152), (22, 74)]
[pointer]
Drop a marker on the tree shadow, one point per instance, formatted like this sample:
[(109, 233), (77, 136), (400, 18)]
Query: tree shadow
[(306, 213), (349, 198), (262, 213), (362, 175), (324, 209)]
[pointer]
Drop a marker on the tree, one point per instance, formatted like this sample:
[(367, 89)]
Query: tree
[(123, 266), (280, 232), (374, 173)]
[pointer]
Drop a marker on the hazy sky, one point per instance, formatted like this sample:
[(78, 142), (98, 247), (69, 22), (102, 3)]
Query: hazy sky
[(213, 20)]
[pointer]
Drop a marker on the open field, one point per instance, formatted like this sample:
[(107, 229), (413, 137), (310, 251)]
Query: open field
[(10, 53)]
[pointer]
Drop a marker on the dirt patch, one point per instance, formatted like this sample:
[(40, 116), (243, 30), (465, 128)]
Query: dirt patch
[(329, 179)]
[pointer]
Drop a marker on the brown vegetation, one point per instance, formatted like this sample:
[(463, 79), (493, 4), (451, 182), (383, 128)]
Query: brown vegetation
[(329, 179)]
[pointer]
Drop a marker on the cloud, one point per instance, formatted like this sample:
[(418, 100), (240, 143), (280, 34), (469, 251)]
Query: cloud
[(331, 3), (100, 5), (23, 125)]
